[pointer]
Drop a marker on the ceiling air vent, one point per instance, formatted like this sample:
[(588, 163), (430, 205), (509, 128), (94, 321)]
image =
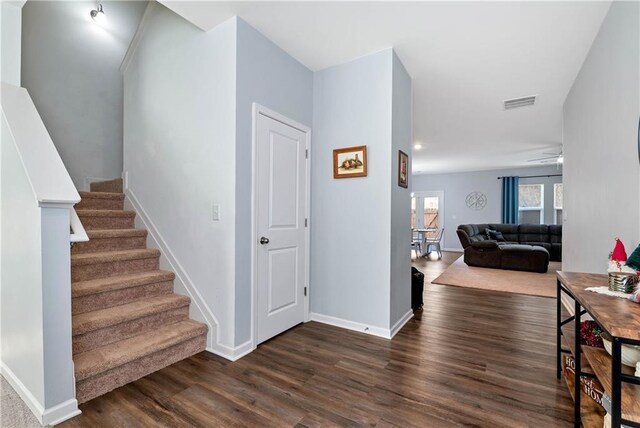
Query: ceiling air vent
[(519, 102)]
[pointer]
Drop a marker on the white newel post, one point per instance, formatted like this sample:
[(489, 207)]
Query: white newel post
[(59, 382)]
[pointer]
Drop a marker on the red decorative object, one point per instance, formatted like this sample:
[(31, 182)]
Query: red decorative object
[(619, 254), (590, 333)]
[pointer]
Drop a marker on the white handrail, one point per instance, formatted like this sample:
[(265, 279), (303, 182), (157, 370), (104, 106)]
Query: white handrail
[(78, 234), (49, 179)]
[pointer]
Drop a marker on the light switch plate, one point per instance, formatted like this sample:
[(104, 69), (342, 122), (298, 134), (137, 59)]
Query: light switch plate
[(216, 212)]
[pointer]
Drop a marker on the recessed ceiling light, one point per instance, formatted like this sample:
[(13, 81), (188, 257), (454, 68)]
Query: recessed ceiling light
[(417, 146)]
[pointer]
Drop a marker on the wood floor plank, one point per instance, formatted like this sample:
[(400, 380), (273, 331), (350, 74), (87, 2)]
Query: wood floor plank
[(470, 358)]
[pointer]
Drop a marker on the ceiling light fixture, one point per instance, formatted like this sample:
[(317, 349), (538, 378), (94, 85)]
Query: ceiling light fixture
[(98, 14), (417, 146)]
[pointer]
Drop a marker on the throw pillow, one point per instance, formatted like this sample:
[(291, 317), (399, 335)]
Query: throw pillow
[(634, 260), (495, 235)]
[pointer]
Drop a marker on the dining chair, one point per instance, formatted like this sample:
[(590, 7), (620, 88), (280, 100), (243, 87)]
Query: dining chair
[(433, 244), (416, 244)]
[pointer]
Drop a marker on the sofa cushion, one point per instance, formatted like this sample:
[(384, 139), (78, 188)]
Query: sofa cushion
[(555, 233), (475, 232), (509, 231), (533, 233), (482, 254), (545, 245), (485, 244), (495, 235), (555, 254), (525, 258)]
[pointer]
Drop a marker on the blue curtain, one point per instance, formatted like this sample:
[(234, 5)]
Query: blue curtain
[(510, 200)]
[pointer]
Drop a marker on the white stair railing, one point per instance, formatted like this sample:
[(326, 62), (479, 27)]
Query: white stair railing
[(78, 233)]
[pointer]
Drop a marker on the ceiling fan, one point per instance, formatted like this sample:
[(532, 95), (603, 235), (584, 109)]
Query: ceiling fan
[(556, 158)]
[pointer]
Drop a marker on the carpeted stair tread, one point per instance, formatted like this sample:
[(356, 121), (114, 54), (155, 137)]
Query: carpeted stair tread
[(95, 320), (105, 213), (108, 357), (114, 185), (115, 233), (112, 256), (102, 285), (102, 195)]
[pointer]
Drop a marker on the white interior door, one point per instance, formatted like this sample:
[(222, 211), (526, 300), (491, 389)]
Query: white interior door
[(281, 195)]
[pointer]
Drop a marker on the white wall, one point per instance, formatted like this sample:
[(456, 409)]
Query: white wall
[(352, 219), (70, 65), (601, 172), (401, 139), (10, 41), (457, 186), (268, 76), (21, 316), (35, 278), (179, 149)]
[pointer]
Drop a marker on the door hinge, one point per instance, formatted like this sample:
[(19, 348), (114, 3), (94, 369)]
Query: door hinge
[(305, 291), (306, 222), (306, 153)]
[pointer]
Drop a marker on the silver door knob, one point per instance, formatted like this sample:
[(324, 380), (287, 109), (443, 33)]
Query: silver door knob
[(264, 241)]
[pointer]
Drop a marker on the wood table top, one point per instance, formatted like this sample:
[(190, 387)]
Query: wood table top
[(619, 317)]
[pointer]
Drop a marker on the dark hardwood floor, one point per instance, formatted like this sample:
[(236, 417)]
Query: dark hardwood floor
[(472, 358)]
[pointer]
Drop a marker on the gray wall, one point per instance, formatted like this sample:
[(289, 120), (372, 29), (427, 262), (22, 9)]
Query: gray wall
[(401, 138), (602, 176), (457, 186), (353, 220), (179, 149), (70, 66), (268, 76)]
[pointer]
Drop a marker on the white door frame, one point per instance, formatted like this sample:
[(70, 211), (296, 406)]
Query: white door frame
[(261, 110)]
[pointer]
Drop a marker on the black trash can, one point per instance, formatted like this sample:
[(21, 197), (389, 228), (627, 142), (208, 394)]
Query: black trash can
[(417, 288)]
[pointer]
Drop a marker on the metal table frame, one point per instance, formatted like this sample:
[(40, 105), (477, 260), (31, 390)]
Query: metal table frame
[(617, 377)]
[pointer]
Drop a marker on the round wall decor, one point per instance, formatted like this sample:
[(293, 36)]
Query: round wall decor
[(476, 200)]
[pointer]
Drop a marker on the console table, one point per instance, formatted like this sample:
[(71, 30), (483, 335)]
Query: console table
[(621, 319)]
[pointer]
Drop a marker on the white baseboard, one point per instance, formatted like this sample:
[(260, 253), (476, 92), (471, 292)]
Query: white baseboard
[(51, 416), (351, 325), (60, 413), (401, 322), (232, 354), (453, 250)]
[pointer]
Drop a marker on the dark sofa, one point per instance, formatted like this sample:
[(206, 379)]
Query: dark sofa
[(526, 247)]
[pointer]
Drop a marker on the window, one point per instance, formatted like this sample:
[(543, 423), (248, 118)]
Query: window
[(531, 204), (557, 202)]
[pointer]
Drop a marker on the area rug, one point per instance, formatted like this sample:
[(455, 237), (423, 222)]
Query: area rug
[(509, 281), (13, 412)]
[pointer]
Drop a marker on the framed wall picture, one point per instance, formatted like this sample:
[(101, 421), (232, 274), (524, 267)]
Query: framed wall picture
[(403, 169), (350, 162)]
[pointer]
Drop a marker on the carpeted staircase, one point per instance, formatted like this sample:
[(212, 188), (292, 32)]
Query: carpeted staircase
[(127, 322)]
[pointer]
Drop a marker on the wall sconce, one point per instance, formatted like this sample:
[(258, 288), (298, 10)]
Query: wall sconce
[(98, 15)]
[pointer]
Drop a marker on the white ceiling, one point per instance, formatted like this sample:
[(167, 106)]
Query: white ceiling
[(465, 59)]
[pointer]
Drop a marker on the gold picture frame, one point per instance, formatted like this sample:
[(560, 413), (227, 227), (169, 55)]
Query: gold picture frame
[(350, 162)]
